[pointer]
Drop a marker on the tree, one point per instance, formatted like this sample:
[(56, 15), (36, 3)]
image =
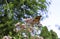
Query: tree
[(48, 34), (53, 34), (19, 8), (45, 33), (11, 12)]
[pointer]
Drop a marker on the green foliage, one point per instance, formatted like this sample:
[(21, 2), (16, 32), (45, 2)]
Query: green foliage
[(48, 34), (12, 10), (22, 7), (53, 34), (45, 33)]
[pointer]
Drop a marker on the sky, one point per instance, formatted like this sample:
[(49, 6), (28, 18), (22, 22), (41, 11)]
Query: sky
[(53, 21)]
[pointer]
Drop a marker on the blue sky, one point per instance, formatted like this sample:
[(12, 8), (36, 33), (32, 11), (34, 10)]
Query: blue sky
[(53, 21)]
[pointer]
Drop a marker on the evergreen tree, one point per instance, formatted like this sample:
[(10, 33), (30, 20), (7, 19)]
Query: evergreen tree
[(48, 34), (45, 33), (53, 34)]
